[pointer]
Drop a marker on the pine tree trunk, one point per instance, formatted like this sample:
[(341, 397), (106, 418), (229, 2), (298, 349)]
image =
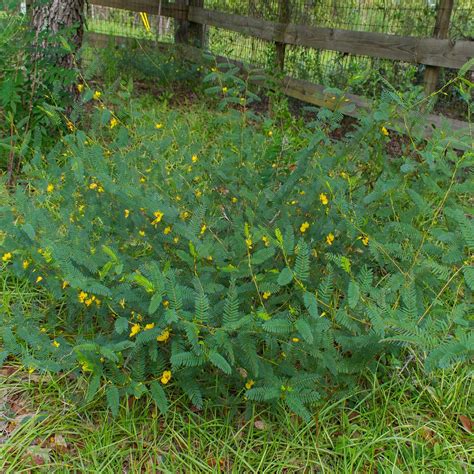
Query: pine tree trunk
[(53, 16)]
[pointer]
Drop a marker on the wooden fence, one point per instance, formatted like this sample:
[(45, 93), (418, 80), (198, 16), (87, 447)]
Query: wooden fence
[(437, 52)]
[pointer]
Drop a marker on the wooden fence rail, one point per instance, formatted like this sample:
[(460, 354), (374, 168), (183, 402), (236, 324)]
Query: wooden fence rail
[(428, 51), (193, 18)]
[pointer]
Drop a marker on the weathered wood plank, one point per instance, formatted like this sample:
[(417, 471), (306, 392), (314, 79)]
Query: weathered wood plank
[(430, 51), (153, 7), (441, 30)]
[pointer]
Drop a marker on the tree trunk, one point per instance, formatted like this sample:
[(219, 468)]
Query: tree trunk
[(51, 17)]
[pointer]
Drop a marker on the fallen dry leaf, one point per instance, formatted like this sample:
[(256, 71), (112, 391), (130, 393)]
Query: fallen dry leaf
[(428, 434), (466, 422), (58, 443), (39, 456), (243, 373), (259, 424)]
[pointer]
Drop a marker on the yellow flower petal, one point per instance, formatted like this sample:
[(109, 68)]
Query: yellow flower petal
[(250, 383), (136, 328), (324, 199), (166, 377), (164, 336), (304, 227), (330, 238)]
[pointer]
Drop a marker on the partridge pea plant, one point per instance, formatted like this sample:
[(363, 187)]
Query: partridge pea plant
[(169, 249)]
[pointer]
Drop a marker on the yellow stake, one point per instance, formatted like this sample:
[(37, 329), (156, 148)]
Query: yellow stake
[(145, 21)]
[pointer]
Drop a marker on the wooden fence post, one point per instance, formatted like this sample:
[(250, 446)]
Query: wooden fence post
[(186, 31), (181, 27), (283, 17), (441, 31), (197, 32)]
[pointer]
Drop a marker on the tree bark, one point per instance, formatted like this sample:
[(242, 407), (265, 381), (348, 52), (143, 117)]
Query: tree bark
[(51, 17)]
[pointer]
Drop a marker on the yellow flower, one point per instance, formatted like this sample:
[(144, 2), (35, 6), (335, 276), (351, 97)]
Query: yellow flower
[(344, 175), (176, 240), (141, 233), (56, 344), (295, 339), (203, 228), (270, 133), (184, 215), (166, 377), (166, 303), (39, 279), (198, 194), (113, 122), (136, 328), (31, 370), (26, 264), (158, 216), (65, 284), (365, 240), (385, 131), (330, 238), (50, 188), (43, 330), (164, 336), (225, 90), (7, 257), (324, 199), (249, 243), (93, 186), (194, 159), (80, 88), (149, 326), (126, 213), (304, 227), (158, 126), (234, 200), (167, 230), (82, 296), (266, 240), (70, 126), (250, 383), (266, 295), (86, 367), (97, 95)]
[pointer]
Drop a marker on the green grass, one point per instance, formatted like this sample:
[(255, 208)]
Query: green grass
[(407, 423)]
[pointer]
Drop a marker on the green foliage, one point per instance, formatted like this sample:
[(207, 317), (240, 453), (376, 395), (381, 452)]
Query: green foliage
[(280, 264), (36, 98)]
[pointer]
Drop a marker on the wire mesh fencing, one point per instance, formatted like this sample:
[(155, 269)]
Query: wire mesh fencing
[(117, 22), (357, 74)]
